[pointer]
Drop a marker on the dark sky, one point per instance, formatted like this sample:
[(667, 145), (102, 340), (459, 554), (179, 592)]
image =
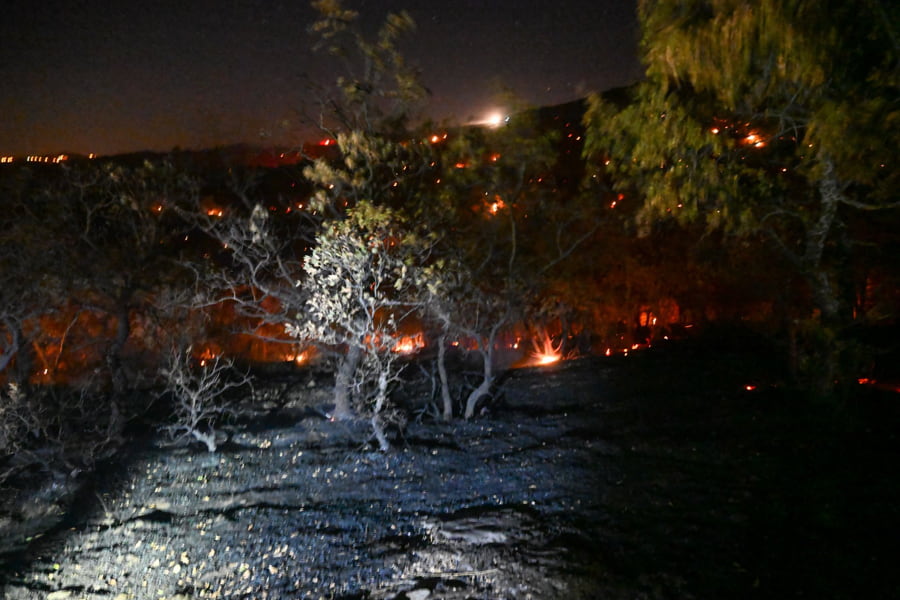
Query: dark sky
[(111, 76)]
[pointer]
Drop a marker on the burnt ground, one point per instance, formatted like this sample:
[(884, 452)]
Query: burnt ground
[(656, 475)]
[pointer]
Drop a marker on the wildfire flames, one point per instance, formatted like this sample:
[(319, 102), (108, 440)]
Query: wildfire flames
[(408, 344), (300, 358), (546, 353)]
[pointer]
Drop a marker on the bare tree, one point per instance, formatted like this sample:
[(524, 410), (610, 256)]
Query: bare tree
[(200, 394), (60, 430)]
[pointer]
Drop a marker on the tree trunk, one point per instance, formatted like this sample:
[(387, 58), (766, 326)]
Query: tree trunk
[(823, 293), (24, 358), (381, 399), (12, 345), (116, 350), (442, 373), (342, 382), (209, 439), (485, 388)]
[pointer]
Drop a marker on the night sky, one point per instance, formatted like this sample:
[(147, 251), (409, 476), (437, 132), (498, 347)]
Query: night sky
[(108, 76)]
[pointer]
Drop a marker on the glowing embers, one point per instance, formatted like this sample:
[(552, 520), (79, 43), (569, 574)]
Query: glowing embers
[(753, 139), (887, 386), (497, 205), (399, 344), (207, 355), (300, 357)]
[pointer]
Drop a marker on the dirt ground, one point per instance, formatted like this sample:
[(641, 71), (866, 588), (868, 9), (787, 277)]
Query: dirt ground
[(657, 475)]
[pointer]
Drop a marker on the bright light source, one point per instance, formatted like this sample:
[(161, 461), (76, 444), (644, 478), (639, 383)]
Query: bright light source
[(494, 119)]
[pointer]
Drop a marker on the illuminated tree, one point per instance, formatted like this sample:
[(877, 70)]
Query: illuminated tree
[(258, 261), (362, 195), (359, 282), (295, 270), (200, 395), (769, 117)]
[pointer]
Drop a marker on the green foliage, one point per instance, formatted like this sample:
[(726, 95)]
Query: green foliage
[(772, 117), (358, 279), (663, 145), (355, 276), (372, 168), (359, 283), (378, 91)]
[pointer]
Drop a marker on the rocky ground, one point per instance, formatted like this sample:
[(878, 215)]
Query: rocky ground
[(652, 476)]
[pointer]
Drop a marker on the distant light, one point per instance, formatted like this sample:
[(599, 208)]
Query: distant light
[(496, 120)]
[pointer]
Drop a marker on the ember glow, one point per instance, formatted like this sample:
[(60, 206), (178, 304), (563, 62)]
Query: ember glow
[(208, 353), (300, 358), (754, 139), (892, 386), (497, 205)]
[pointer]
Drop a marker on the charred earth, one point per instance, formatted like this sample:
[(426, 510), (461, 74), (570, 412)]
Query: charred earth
[(657, 475)]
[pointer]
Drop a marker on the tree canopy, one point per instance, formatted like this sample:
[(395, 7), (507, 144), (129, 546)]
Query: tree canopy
[(779, 118)]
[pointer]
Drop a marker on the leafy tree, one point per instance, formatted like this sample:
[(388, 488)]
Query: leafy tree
[(361, 196), (316, 273), (360, 288), (26, 272), (378, 92), (774, 117), (121, 240), (506, 223)]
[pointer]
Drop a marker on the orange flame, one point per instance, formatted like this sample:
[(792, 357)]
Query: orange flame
[(408, 344), (545, 352)]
